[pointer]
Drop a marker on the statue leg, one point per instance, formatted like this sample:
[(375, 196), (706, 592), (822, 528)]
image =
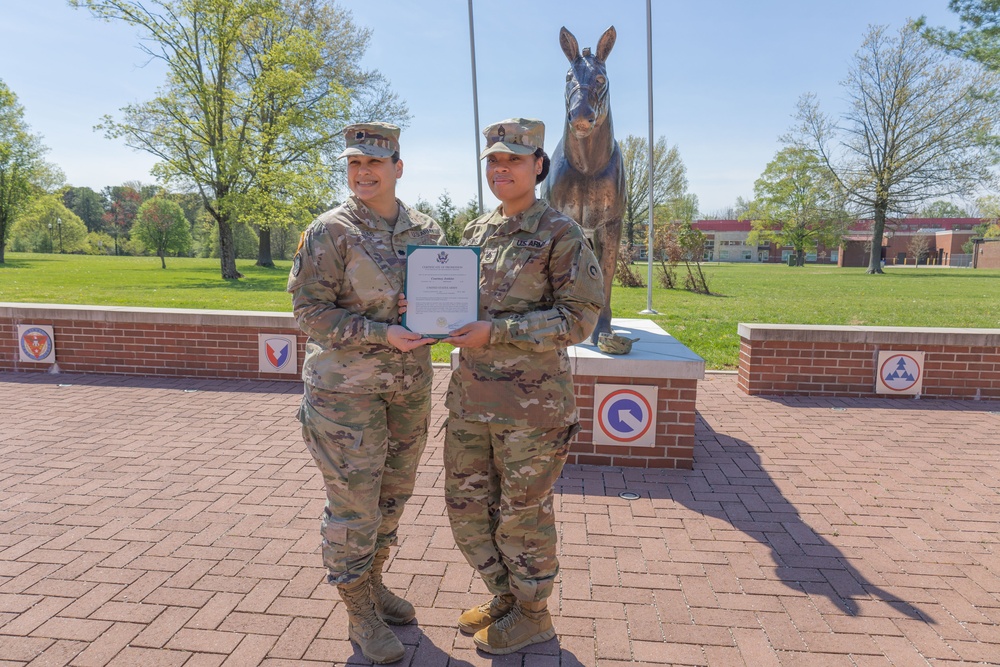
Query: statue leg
[(606, 241)]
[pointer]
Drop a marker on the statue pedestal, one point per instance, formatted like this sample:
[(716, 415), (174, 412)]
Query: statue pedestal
[(627, 427), (609, 435)]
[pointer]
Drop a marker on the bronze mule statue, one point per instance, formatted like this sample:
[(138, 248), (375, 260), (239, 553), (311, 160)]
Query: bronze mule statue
[(586, 180)]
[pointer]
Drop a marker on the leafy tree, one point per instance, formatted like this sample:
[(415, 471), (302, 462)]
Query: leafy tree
[(255, 99), (978, 36), (669, 180), (917, 127), (48, 226), (943, 209), (300, 106), (87, 205), (123, 206), (23, 172), (424, 206), (452, 223), (467, 213), (796, 203), (99, 243), (198, 123), (162, 227), (989, 211)]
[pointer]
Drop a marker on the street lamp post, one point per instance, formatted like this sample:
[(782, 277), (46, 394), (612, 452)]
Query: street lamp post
[(50, 237), (59, 226)]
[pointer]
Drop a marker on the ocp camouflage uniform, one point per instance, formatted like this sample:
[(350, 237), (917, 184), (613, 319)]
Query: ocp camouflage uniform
[(512, 405), (366, 405)]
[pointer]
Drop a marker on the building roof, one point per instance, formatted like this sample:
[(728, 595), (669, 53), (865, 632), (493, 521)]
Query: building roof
[(862, 225)]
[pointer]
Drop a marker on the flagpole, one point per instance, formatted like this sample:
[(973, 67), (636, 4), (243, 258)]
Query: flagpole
[(475, 104), (649, 236)]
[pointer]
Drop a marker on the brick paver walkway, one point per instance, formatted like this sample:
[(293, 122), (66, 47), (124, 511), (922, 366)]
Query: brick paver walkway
[(174, 522)]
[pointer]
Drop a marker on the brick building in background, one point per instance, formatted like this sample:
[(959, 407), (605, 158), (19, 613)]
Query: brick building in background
[(986, 254), (940, 241)]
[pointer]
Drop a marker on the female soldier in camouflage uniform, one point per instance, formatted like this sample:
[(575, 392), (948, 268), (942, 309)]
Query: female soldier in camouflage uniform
[(367, 380), (511, 401)]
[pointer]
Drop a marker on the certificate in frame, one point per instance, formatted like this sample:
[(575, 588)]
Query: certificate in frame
[(442, 288)]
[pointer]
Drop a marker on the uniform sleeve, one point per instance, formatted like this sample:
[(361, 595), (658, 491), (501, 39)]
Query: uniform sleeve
[(316, 279), (578, 290)]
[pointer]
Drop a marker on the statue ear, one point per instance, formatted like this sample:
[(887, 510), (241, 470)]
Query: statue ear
[(606, 43), (569, 44)]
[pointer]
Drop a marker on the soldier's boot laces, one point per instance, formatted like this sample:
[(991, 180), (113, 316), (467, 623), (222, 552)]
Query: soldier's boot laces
[(392, 608), (365, 628), (475, 619), (525, 624)]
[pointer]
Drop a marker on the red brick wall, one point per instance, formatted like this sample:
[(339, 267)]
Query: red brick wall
[(988, 254), (90, 340), (828, 368), (189, 343), (675, 417)]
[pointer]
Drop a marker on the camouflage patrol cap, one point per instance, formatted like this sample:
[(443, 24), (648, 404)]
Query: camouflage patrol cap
[(514, 135), (612, 343), (373, 139)]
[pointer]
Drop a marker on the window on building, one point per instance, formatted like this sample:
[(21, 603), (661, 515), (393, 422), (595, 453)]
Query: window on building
[(834, 256), (810, 257), (723, 254), (785, 254), (747, 255)]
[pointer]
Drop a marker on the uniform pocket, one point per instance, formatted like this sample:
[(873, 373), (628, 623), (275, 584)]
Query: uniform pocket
[(336, 448)]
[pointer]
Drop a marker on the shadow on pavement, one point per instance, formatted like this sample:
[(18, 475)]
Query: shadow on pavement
[(729, 483)]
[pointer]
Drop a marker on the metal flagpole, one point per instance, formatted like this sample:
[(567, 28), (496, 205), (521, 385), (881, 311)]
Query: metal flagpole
[(649, 236), (475, 104)]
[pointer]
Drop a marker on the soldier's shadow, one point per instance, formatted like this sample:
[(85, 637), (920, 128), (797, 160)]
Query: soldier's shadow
[(729, 483)]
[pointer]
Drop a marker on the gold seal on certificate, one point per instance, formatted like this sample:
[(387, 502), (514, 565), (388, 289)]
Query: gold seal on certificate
[(442, 289)]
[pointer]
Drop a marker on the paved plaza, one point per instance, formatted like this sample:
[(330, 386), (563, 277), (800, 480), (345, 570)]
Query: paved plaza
[(172, 522)]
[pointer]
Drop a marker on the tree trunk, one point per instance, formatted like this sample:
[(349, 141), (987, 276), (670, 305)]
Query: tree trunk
[(878, 230), (3, 249), (800, 257), (163, 262), (264, 248), (227, 250)]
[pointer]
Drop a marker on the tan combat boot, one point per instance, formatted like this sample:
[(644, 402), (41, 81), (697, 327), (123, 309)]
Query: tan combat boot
[(365, 628), (477, 618), (392, 608), (526, 623)]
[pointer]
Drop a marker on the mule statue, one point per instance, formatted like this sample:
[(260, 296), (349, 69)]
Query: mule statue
[(586, 179)]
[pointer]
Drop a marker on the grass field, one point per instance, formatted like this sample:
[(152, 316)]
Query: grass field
[(707, 324)]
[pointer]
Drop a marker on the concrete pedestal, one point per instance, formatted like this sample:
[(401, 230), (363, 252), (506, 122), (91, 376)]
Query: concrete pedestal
[(657, 360)]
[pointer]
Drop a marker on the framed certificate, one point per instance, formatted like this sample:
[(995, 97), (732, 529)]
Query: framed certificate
[(442, 288)]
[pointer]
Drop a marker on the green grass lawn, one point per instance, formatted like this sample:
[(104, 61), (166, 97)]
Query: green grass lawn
[(707, 324)]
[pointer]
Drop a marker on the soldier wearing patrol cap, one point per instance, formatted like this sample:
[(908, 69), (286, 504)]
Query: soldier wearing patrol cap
[(366, 406), (512, 409)]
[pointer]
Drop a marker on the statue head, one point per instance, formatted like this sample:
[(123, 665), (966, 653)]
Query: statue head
[(586, 82)]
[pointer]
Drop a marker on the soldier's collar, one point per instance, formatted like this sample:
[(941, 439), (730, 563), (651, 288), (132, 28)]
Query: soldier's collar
[(526, 221), (373, 219)]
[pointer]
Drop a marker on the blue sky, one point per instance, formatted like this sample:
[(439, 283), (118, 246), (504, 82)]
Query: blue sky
[(726, 77)]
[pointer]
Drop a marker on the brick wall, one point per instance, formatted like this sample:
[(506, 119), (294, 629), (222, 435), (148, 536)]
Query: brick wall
[(224, 344), (987, 254), (675, 417), (148, 341), (779, 360)]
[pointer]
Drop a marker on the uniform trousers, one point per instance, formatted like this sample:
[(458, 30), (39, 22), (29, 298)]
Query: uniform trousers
[(367, 447), (498, 490)]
